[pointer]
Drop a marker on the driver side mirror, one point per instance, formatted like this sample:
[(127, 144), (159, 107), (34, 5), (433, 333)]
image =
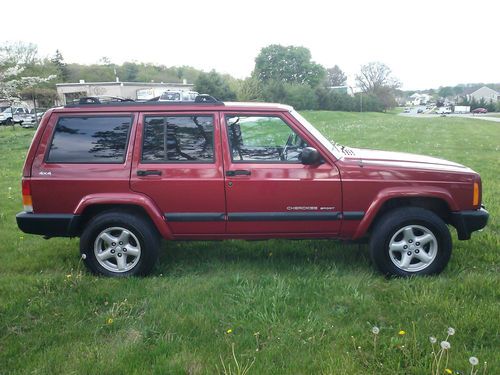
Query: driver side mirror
[(310, 156)]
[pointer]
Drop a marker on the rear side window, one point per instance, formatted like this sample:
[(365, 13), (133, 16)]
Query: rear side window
[(99, 139), (178, 139)]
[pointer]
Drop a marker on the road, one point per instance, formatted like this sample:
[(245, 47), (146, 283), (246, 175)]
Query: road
[(413, 113)]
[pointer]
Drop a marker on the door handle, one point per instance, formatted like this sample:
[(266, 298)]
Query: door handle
[(238, 172), (148, 173)]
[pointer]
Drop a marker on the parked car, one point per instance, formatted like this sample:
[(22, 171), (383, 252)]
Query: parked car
[(420, 110), (479, 110), (121, 176), (407, 110), (14, 114)]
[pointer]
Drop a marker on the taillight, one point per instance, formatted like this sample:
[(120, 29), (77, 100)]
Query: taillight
[(27, 201)]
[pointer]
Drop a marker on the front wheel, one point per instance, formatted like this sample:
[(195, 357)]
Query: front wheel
[(410, 241), (117, 243)]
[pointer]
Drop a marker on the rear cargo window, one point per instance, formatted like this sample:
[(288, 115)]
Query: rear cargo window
[(90, 139), (178, 139)]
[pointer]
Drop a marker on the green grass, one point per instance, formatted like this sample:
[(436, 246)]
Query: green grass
[(293, 307)]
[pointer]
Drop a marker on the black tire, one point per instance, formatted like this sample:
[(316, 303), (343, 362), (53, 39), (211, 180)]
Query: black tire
[(142, 239), (395, 228)]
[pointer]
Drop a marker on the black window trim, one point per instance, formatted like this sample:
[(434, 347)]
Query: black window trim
[(77, 115), (229, 114), (187, 114)]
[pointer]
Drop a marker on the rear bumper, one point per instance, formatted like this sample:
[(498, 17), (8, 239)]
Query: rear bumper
[(50, 225), (467, 222)]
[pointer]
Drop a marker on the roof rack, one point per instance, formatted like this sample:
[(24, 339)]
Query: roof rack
[(118, 101)]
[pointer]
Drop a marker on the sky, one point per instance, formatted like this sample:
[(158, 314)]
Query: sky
[(427, 44)]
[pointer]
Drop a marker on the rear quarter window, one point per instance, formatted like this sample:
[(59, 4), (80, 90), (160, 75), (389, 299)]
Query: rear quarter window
[(91, 139)]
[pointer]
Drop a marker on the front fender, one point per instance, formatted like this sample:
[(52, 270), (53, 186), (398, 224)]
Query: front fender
[(134, 199), (401, 192)]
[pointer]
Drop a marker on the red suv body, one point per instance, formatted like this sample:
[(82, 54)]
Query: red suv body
[(122, 175)]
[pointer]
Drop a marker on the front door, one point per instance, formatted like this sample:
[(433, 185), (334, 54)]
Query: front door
[(268, 189), (178, 163)]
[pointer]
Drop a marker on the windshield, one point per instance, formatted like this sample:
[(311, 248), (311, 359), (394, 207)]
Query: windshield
[(316, 134), (7, 110)]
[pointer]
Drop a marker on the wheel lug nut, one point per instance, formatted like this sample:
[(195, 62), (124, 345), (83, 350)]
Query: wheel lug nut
[(417, 243), (124, 250), (121, 243), (405, 247), (409, 253), (113, 243), (417, 251), (410, 241), (119, 255), (112, 251)]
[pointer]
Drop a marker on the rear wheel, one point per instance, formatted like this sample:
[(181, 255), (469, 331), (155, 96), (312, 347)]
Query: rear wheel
[(410, 241), (118, 243)]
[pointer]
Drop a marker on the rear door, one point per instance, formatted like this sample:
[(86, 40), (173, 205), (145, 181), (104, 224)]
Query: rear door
[(178, 163), (268, 189)]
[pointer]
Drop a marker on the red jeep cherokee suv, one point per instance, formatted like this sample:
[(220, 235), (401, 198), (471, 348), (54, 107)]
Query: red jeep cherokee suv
[(122, 175)]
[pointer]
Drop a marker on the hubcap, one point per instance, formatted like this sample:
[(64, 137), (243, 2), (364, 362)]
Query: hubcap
[(413, 248), (117, 249)]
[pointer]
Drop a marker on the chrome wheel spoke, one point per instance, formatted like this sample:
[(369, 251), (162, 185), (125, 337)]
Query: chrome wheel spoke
[(106, 254), (124, 237), (131, 250), (108, 238), (397, 246), (424, 239), (408, 234), (424, 257), (121, 262), (405, 261)]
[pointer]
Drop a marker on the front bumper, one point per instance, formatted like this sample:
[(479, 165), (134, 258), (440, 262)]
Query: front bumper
[(467, 222), (50, 225)]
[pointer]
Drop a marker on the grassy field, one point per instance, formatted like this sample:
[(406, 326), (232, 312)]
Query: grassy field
[(278, 307)]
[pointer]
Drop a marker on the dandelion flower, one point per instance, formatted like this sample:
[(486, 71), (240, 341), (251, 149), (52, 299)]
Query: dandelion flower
[(375, 330), (448, 371), (445, 345), (473, 361), (402, 333), (69, 276), (451, 331), (229, 331), (432, 339), (109, 321)]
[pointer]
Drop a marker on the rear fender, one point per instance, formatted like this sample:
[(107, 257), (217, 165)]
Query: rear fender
[(127, 199)]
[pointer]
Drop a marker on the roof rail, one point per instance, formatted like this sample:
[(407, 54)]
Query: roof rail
[(204, 98), (103, 100), (118, 101)]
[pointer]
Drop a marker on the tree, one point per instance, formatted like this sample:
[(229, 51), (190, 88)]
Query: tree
[(61, 66), (128, 71), (335, 76), (375, 78), (249, 89), (12, 82), (287, 64), (19, 53), (446, 92), (214, 84)]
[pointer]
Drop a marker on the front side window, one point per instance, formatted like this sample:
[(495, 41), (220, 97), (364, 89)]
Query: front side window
[(263, 138), (178, 139), (99, 139)]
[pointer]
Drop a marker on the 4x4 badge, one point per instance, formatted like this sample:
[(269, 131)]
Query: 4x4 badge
[(43, 173)]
